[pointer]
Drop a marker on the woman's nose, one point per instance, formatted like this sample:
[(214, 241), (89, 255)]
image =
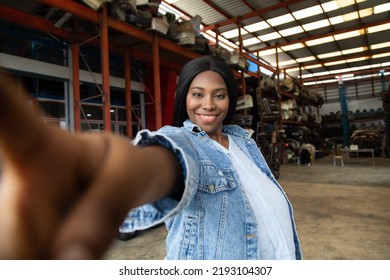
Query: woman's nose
[(208, 104)]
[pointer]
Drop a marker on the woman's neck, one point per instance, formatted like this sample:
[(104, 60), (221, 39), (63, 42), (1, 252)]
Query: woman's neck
[(221, 139)]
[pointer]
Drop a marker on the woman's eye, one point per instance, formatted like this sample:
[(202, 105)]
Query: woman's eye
[(196, 94), (220, 96)]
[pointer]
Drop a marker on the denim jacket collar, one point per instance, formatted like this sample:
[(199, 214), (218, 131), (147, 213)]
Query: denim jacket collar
[(228, 129)]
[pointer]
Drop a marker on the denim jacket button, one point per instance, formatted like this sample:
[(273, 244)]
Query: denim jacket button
[(211, 187)]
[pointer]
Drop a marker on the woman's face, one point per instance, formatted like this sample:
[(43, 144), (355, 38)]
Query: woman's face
[(208, 102)]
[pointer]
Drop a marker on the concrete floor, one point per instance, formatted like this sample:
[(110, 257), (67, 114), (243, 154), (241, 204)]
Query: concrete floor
[(341, 213)]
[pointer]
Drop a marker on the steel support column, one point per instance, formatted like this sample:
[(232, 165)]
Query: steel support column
[(76, 86), (129, 115), (105, 68), (344, 112), (156, 80)]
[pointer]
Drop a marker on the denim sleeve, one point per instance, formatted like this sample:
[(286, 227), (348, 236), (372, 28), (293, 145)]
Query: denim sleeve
[(151, 214)]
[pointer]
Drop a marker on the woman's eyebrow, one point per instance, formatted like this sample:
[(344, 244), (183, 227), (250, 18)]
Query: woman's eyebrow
[(197, 87)]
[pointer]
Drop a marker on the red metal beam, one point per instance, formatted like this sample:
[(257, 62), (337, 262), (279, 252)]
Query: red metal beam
[(28, 20), (76, 87), (129, 115), (74, 8), (156, 81)]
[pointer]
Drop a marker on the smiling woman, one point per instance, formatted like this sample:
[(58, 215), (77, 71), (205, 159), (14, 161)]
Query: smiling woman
[(227, 184)]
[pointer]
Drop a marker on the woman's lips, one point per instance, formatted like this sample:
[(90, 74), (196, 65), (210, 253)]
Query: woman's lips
[(207, 118)]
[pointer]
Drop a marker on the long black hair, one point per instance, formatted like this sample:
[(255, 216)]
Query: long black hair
[(188, 73)]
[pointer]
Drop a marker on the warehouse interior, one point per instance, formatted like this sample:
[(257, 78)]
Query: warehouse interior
[(314, 83)]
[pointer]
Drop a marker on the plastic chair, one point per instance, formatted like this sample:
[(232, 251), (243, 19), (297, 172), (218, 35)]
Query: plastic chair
[(338, 155)]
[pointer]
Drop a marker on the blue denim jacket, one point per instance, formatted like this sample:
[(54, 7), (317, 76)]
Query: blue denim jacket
[(213, 219)]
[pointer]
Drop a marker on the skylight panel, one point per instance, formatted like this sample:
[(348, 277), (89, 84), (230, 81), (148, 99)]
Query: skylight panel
[(382, 8), (356, 59), (280, 20), (319, 41), (305, 76), (327, 55), (257, 26), (292, 69), (328, 81), (354, 50), (336, 20), (267, 52), (251, 41), (347, 35), (378, 28), (339, 71), (335, 63), (381, 55), (316, 25), (291, 31), (321, 73), (329, 6), (269, 36), (380, 46), (350, 16), (313, 66), (363, 67), (366, 12), (287, 62), (292, 47), (308, 12), (305, 59), (233, 33), (310, 83)]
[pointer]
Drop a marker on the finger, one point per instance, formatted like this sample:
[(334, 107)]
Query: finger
[(21, 131)]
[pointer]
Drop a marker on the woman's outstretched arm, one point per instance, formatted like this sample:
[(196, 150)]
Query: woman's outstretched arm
[(63, 195)]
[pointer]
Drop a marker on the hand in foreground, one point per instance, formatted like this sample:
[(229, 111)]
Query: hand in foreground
[(63, 195)]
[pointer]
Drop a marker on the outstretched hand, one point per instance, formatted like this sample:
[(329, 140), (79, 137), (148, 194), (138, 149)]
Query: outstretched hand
[(63, 196)]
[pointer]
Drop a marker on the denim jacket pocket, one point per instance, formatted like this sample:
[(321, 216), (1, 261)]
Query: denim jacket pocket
[(213, 179)]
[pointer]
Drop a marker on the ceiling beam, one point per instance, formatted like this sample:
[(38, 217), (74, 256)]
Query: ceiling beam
[(22, 18)]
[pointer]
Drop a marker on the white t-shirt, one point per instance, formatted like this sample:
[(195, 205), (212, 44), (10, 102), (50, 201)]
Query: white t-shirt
[(276, 240)]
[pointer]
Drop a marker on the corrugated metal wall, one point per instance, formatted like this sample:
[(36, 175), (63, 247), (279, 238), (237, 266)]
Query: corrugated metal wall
[(363, 95)]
